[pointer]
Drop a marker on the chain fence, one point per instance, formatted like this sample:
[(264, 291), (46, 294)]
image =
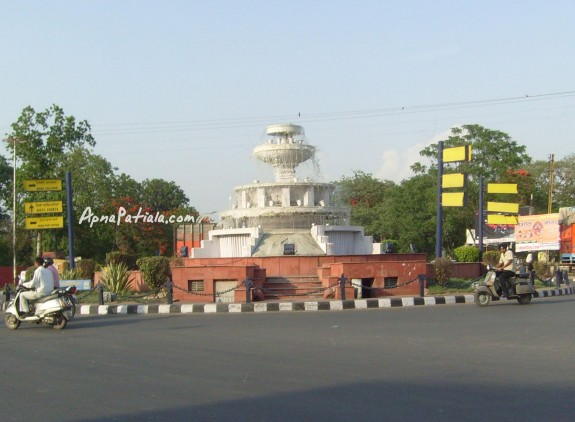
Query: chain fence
[(165, 290), (290, 292), (218, 293), (158, 293), (306, 293)]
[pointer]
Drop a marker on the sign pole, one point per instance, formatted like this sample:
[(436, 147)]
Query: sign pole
[(439, 227), (14, 263), (70, 215), (480, 222)]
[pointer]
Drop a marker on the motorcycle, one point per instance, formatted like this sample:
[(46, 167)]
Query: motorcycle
[(489, 289), (56, 309)]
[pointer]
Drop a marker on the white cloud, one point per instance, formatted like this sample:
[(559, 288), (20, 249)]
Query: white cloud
[(396, 162)]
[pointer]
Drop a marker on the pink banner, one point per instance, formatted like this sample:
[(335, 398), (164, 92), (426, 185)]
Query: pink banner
[(537, 233)]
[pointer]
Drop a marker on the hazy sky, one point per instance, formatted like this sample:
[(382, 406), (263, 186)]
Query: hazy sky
[(183, 90)]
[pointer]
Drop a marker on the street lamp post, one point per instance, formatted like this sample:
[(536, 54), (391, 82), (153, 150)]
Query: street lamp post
[(14, 141)]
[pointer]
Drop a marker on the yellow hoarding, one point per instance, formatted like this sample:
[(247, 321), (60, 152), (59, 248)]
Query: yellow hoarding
[(453, 199), (42, 207), (457, 154), (502, 188), (42, 185), (501, 219), (453, 180), (38, 223), (508, 207)]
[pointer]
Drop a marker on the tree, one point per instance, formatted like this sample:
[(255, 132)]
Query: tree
[(408, 214), (493, 153), (563, 184), (44, 139), (93, 184), (364, 194), (5, 185), (5, 226), (495, 156), (138, 236), (126, 187), (161, 195)]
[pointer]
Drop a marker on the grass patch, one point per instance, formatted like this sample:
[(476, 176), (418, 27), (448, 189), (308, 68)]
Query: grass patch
[(462, 286), (92, 298), (454, 285)]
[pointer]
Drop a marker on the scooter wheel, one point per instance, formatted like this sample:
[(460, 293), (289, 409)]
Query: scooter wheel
[(59, 322), (482, 298), (11, 321)]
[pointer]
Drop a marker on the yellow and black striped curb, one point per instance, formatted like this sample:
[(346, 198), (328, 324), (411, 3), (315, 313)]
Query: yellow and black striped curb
[(321, 305)]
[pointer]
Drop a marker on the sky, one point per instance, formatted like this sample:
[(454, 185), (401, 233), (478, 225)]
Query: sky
[(183, 90)]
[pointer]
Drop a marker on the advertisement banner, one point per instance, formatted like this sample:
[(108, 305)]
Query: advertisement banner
[(496, 233), (537, 233)]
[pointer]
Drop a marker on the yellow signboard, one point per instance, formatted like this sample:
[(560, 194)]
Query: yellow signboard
[(453, 199), (37, 223), (502, 188), (453, 180), (42, 185), (43, 207), (502, 219), (457, 154), (507, 207)]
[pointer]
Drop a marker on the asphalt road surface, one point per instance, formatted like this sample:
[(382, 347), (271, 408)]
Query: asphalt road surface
[(505, 362)]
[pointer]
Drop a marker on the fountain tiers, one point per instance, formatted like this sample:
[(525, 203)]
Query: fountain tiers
[(287, 202)]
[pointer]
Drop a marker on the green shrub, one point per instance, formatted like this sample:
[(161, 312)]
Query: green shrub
[(69, 275), (116, 257), (491, 257), (443, 267), (466, 253), (541, 269), (155, 270), (85, 269), (116, 278)]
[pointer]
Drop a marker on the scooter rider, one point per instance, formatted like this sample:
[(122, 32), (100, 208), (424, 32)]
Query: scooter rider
[(506, 266), (49, 263), (42, 284)]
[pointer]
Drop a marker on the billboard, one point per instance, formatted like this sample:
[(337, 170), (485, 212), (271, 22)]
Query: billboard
[(537, 233), (495, 233)]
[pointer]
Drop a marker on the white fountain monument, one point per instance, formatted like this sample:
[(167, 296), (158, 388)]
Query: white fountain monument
[(267, 216)]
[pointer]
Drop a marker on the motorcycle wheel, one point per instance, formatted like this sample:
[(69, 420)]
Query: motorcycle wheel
[(59, 322), (482, 298), (11, 321), (524, 299)]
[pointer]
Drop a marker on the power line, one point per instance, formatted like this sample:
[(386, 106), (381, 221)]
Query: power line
[(231, 123)]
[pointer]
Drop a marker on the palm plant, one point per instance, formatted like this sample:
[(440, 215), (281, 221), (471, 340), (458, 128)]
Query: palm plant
[(117, 278)]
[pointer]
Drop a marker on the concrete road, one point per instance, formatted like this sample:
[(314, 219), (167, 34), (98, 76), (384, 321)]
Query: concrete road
[(505, 362)]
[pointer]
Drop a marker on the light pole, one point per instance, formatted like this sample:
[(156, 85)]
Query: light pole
[(14, 141)]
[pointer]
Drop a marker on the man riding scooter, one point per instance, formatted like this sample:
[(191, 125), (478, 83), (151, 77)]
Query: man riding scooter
[(506, 268), (42, 284)]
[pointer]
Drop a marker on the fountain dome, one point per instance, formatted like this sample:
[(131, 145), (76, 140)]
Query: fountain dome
[(286, 202)]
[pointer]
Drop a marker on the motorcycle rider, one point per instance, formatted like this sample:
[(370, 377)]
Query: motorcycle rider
[(507, 267), (49, 263), (42, 284)]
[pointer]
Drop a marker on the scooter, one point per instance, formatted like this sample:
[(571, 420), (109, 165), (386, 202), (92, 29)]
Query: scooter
[(56, 309), (489, 289)]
